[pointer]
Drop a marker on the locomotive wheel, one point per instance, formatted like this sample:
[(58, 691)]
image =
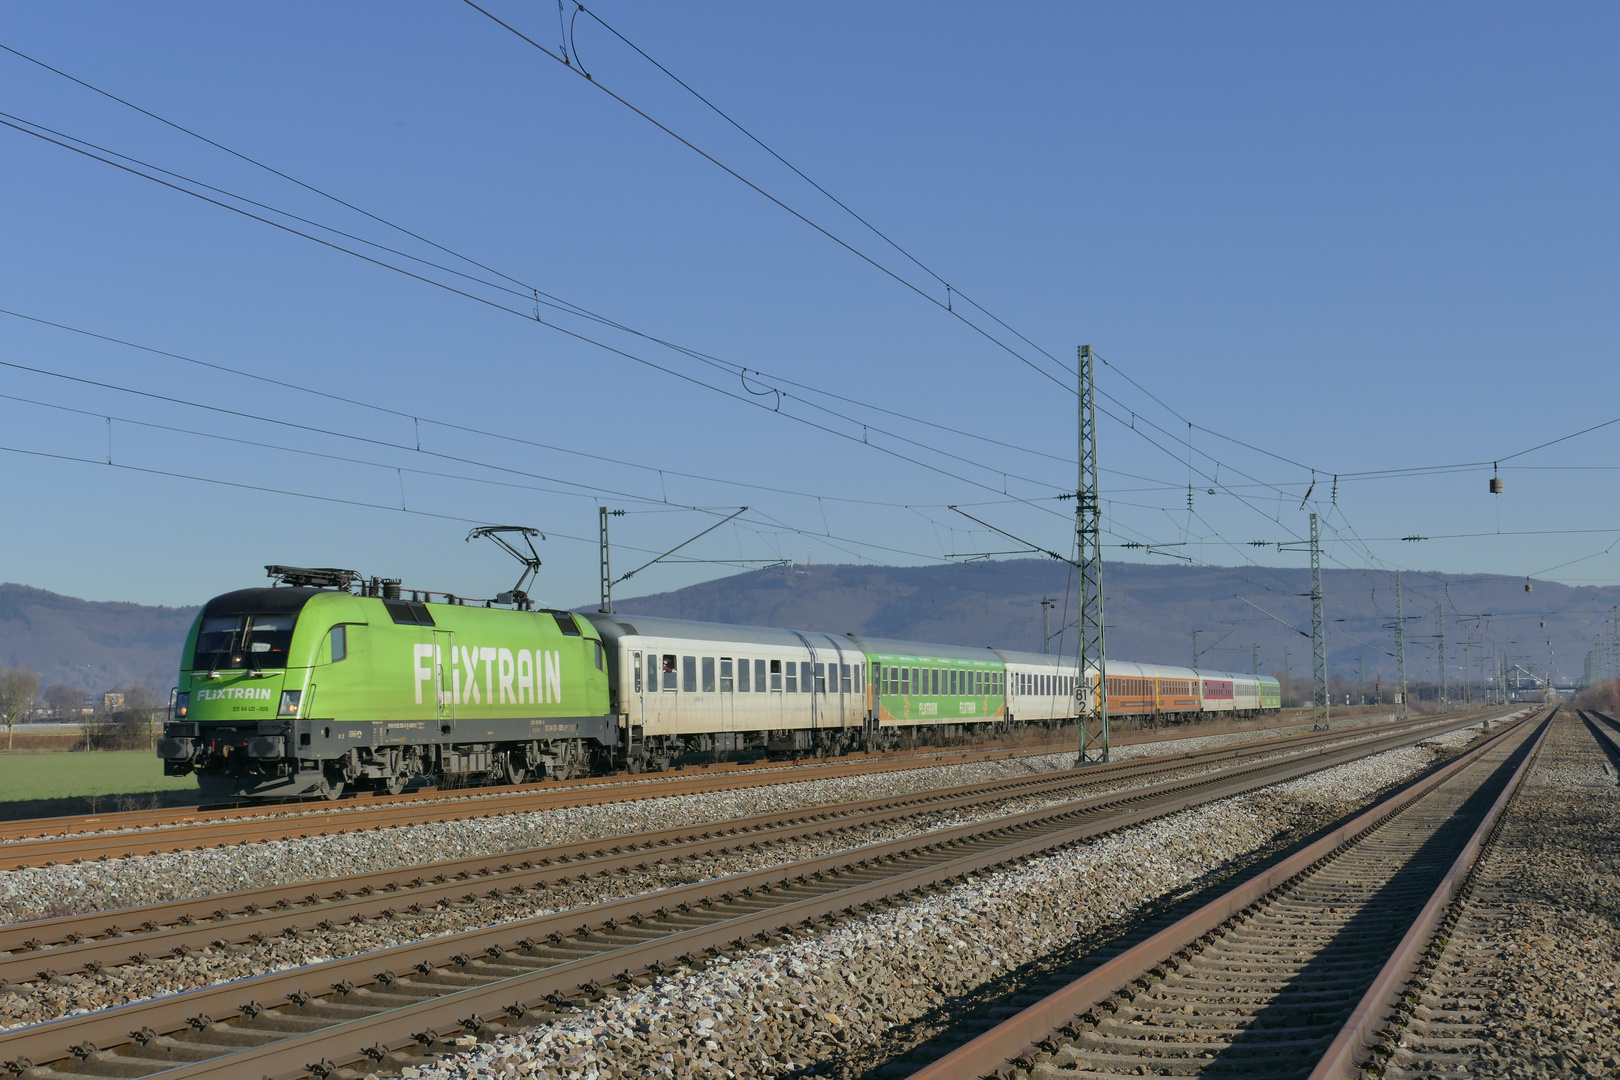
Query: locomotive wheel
[(393, 785), (514, 773), (330, 786)]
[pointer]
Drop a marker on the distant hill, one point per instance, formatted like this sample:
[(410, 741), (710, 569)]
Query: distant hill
[(1151, 613), (90, 644)]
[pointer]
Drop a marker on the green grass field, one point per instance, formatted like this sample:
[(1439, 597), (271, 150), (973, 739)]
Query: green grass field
[(109, 772)]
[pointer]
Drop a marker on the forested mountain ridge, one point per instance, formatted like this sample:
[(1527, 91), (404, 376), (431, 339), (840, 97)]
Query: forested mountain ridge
[(1152, 612)]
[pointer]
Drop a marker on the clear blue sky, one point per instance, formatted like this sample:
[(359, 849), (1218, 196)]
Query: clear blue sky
[(1360, 238)]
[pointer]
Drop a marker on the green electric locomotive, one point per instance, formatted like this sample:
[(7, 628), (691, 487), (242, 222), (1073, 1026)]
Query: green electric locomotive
[(312, 689)]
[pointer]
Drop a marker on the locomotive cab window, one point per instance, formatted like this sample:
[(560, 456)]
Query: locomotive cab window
[(244, 642), (598, 645), (566, 623), (340, 642)]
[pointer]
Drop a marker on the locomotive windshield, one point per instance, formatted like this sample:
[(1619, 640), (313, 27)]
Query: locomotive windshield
[(251, 642)]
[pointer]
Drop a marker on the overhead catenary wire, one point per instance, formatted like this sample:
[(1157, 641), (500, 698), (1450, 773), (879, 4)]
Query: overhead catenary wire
[(584, 338), (573, 310), (923, 293), (523, 288)]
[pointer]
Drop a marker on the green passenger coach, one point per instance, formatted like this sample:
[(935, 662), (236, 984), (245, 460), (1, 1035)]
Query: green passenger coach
[(926, 689)]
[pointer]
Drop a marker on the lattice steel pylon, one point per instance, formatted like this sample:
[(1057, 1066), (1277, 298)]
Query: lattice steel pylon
[(1443, 699), (1400, 649), (1319, 686), (1088, 536)]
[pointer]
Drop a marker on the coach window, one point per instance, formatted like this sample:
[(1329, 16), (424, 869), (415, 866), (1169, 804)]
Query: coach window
[(637, 663), (905, 681), (726, 684), (776, 675), (759, 677), (844, 676), (689, 674), (742, 677), (669, 672), (821, 678), (791, 686), (708, 674)]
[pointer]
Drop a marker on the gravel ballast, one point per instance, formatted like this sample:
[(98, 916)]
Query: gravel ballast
[(49, 891), (844, 1001), (40, 1000), (1527, 983)]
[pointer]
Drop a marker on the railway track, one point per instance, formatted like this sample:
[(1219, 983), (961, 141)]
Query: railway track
[(73, 824), (395, 1006), (69, 825), (190, 833), (93, 940), (26, 829), (1441, 1032), (1289, 974)]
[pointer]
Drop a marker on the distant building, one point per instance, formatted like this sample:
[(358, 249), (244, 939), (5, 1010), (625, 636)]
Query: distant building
[(112, 702)]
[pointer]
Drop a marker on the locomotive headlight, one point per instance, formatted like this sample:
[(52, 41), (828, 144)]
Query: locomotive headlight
[(182, 706), (289, 702)]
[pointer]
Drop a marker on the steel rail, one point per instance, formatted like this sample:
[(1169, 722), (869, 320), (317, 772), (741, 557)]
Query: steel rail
[(257, 828), (74, 824), (871, 761), (1015, 1041), (1606, 732), (189, 832), (92, 940), (1375, 1006), (733, 908), (250, 823)]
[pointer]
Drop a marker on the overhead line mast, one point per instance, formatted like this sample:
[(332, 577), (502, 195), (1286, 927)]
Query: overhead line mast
[(1400, 649), (1319, 685), (1088, 535)]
